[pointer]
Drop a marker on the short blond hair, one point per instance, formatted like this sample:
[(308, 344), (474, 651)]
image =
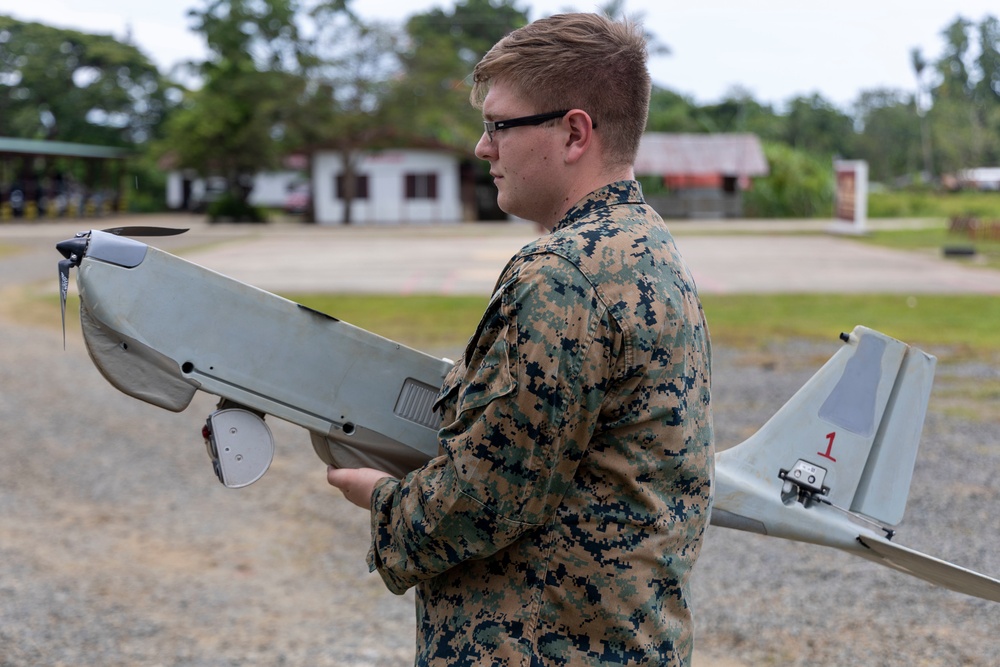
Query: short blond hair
[(577, 61)]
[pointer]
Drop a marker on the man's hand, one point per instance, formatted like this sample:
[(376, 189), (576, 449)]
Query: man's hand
[(356, 484)]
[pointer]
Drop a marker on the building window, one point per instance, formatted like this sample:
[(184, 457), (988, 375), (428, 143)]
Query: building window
[(360, 186), (421, 186)]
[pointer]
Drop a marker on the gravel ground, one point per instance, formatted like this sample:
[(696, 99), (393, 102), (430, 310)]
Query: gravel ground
[(119, 547)]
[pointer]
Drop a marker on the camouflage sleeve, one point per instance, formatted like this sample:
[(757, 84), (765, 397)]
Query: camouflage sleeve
[(519, 421)]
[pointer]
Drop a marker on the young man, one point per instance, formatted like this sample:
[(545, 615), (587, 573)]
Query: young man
[(561, 520)]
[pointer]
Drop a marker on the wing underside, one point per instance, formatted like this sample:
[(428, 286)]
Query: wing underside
[(928, 568)]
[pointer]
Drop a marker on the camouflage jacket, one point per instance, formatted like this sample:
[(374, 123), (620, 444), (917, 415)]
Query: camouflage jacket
[(560, 523)]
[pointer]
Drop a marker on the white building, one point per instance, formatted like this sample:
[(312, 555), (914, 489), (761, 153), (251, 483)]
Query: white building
[(187, 191), (392, 186)]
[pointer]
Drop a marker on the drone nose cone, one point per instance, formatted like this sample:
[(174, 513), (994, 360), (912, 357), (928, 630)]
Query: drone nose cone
[(74, 247)]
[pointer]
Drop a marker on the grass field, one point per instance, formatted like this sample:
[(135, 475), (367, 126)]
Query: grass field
[(954, 326), (929, 204)]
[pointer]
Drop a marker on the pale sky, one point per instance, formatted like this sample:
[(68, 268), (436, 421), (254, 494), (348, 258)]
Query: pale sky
[(776, 49)]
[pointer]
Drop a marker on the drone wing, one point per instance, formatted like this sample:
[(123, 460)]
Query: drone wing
[(928, 568)]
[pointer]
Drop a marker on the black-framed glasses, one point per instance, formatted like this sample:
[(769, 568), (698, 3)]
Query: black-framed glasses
[(494, 126)]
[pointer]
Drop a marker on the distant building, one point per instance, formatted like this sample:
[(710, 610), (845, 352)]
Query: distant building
[(705, 174), (418, 182), (187, 191), (392, 186), (399, 185), (50, 179)]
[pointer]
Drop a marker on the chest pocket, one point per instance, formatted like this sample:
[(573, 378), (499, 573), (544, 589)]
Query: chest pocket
[(488, 369)]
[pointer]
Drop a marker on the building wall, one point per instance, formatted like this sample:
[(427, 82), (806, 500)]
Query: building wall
[(386, 202), (270, 189)]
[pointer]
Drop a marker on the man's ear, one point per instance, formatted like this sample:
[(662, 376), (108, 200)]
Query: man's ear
[(581, 134)]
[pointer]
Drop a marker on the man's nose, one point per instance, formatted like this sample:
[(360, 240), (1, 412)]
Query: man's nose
[(484, 149)]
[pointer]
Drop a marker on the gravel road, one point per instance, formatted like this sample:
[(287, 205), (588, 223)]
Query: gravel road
[(119, 547)]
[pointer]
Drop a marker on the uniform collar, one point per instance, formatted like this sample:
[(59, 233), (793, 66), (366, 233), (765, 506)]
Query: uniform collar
[(614, 194)]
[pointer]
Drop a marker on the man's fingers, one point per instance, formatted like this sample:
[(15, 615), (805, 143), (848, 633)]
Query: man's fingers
[(355, 483)]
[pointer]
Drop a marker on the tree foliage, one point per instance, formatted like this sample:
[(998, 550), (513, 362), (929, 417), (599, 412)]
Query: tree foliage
[(799, 185), (252, 83), (963, 118), (441, 47), (889, 135), (67, 85), (287, 75), (815, 125), (349, 83)]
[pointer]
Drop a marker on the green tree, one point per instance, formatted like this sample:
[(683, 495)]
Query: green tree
[(353, 69), (889, 136), (957, 122), (987, 88), (958, 136), (815, 125), (920, 103), (253, 84), (738, 111), (67, 85), (442, 46), (952, 68), (670, 111)]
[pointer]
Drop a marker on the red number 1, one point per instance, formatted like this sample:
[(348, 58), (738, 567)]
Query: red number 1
[(829, 446)]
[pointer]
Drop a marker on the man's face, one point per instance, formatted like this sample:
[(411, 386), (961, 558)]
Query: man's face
[(525, 161)]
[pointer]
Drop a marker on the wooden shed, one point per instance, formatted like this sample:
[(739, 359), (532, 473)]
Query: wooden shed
[(705, 174)]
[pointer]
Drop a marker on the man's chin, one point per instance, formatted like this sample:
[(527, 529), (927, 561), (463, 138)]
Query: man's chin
[(504, 204)]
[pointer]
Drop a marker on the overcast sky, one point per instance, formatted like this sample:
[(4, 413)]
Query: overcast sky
[(776, 49)]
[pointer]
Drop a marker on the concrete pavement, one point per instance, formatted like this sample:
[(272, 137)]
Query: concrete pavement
[(468, 259), (725, 257)]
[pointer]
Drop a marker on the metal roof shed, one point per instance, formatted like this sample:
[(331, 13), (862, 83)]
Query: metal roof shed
[(704, 174), (664, 154), (36, 178)]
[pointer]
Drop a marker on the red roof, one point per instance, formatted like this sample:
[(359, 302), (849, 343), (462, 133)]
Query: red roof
[(663, 154)]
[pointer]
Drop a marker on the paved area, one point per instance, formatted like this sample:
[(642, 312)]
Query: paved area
[(118, 547), (466, 259)]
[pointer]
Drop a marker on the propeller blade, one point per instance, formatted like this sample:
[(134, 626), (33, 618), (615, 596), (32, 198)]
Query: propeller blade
[(64, 267), (145, 231), (73, 250)]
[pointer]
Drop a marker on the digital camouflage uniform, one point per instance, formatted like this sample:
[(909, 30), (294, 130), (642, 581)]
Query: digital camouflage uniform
[(560, 524)]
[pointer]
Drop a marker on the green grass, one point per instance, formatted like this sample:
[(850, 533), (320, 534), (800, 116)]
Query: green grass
[(425, 322), (935, 239), (946, 325), (954, 326), (911, 204)]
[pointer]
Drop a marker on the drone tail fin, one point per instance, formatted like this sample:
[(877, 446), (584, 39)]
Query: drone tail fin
[(849, 435)]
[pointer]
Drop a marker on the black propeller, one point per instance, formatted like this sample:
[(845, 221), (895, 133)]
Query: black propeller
[(75, 249), (140, 230)]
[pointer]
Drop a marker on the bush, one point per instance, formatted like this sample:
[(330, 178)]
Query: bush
[(798, 186), (228, 208)]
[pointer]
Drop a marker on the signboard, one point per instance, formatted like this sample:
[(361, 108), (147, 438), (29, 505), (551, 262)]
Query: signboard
[(850, 205)]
